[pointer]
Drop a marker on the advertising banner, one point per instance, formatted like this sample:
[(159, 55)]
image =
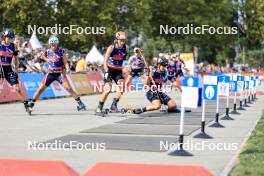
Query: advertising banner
[(32, 81), (7, 93)]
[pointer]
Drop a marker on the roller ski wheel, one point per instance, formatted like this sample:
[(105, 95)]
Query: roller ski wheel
[(99, 112), (28, 110), (81, 107), (137, 111), (102, 114), (124, 111), (107, 111)]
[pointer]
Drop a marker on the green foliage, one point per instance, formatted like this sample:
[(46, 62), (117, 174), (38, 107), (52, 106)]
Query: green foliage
[(251, 160), (255, 58), (139, 17), (220, 58)]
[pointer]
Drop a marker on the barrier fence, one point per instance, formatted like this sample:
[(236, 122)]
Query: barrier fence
[(214, 86), (81, 83)]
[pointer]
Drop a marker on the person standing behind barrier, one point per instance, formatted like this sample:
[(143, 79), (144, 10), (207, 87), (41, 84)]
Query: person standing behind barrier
[(179, 63), (9, 63), (57, 60), (113, 62), (172, 70), (135, 66), (81, 65)]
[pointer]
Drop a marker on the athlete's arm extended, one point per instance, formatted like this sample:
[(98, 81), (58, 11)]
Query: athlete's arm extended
[(44, 56), (15, 59), (65, 63), (15, 62), (106, 57)]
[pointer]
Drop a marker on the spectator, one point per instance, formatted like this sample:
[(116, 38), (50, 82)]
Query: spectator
[(72, 64), (21, 57), (27, 53), (94, 67), (81, 65)]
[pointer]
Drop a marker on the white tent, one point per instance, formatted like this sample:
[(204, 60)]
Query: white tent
[(94, 56), (35, 43)]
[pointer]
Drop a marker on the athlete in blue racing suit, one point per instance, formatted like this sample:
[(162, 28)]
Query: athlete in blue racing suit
[(9, 63), (57, 60), (113, 70), (155, 94)]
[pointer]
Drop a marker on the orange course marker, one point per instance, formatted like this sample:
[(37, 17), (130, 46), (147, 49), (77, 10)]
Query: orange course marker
[(35, 168), (125, 169)]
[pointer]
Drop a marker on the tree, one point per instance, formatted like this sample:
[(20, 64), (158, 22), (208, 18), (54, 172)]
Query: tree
[(198, 12), (18, 14)]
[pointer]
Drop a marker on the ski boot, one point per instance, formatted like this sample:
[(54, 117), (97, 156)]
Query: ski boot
[(27, 107), (31, 104), (81, 106), (99, 110), (114, 106), (137, 111)]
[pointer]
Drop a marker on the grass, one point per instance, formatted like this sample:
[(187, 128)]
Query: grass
[(251, 160)]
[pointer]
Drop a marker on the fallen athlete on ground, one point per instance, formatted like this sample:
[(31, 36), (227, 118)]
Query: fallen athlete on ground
[(155, 94)]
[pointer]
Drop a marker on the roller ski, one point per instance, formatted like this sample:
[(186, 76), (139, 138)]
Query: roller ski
[(100, 112), (107, 111), (122, 111), (114, 109), (138, 111), (126, 110)]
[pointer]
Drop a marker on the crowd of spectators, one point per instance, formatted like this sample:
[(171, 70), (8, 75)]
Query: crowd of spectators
[(31, 60)]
